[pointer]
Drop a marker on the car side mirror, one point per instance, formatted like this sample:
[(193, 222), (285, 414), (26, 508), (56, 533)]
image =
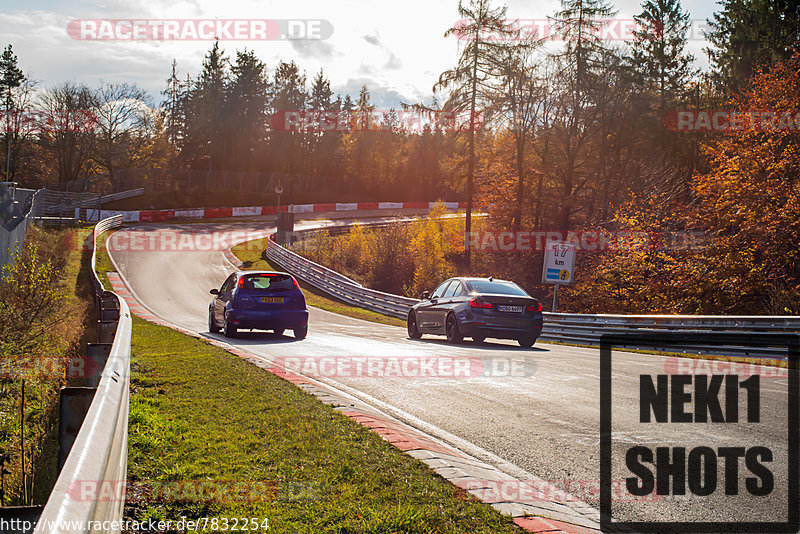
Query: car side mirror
[(425, 295), (214, 291)]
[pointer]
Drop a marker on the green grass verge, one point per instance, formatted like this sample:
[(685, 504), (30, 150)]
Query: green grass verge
[(249, 253), (104, 264), (200, 413)]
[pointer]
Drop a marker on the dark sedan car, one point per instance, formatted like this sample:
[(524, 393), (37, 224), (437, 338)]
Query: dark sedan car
[(259, 300), (477, 308)]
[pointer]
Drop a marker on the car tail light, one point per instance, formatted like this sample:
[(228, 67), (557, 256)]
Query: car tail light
[(478, 303), (534, 307), (241, 283), (296, 285)]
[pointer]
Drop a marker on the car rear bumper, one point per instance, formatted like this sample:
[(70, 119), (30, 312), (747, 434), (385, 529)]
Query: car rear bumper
[(502, 330), (268, 320)]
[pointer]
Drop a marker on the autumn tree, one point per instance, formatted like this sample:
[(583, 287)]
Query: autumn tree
[(122, 112), (69, 139)]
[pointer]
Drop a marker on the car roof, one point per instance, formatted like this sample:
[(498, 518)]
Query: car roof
[(476, 279)]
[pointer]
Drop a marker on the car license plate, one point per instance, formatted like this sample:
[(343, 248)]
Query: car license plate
[(272, 300), (512, 309)]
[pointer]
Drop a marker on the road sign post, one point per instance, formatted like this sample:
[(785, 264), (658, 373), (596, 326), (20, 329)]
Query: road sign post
[(555, 298), (559, 266)]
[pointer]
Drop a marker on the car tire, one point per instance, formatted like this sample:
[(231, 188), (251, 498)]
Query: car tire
[(230, 329), (478, 339), (526, 342), (413, 330), (300, 333), (451, 329), (212, 326)]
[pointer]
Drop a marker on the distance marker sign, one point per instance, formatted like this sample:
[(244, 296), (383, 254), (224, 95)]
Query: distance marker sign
[(559, 263)]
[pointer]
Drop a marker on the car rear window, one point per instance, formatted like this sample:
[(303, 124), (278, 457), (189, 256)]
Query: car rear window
[(268, 282), (497, 288)]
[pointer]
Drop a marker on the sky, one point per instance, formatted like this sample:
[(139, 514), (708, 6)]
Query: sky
[(396, 49)]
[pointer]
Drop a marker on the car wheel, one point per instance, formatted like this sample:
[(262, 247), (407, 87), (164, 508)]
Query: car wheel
[(230, 329), (413, 331), (300, 333), (527, 342), (478, 339), (212, 326), (452, 331)]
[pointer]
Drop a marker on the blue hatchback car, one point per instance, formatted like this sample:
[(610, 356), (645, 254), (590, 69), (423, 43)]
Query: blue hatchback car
[(259, 300)]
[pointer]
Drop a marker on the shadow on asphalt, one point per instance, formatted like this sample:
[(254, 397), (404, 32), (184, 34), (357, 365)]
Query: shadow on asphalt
[(485, 345), (254, 338)]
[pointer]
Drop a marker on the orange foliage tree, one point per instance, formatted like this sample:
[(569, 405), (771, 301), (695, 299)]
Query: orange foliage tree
[(747, 209)]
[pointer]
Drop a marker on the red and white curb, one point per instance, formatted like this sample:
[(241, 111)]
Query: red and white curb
[(561, 513)]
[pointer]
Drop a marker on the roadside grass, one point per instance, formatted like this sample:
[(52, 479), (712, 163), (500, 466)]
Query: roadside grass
[(249, 253), (104, 264), (200, 413)]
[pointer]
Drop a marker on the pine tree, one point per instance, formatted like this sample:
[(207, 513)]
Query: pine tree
[(11, 77), (658, 49), (247, 97), (174, 106), (288, 93), (582, 60), (746, 33), (470, 80), (207, 102), (579, 23)]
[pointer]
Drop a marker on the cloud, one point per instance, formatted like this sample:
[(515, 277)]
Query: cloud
[(373, 40), (393, 63), (381, 96), (313, 49)]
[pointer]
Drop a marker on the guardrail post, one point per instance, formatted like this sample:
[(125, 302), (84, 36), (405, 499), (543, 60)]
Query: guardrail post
[(105, 331), (109, 309), (85, 371), (75, 403)]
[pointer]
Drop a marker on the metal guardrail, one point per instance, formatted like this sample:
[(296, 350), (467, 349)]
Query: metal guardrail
[(58, 202), (99, 454), (573, 328), (337, 284)]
